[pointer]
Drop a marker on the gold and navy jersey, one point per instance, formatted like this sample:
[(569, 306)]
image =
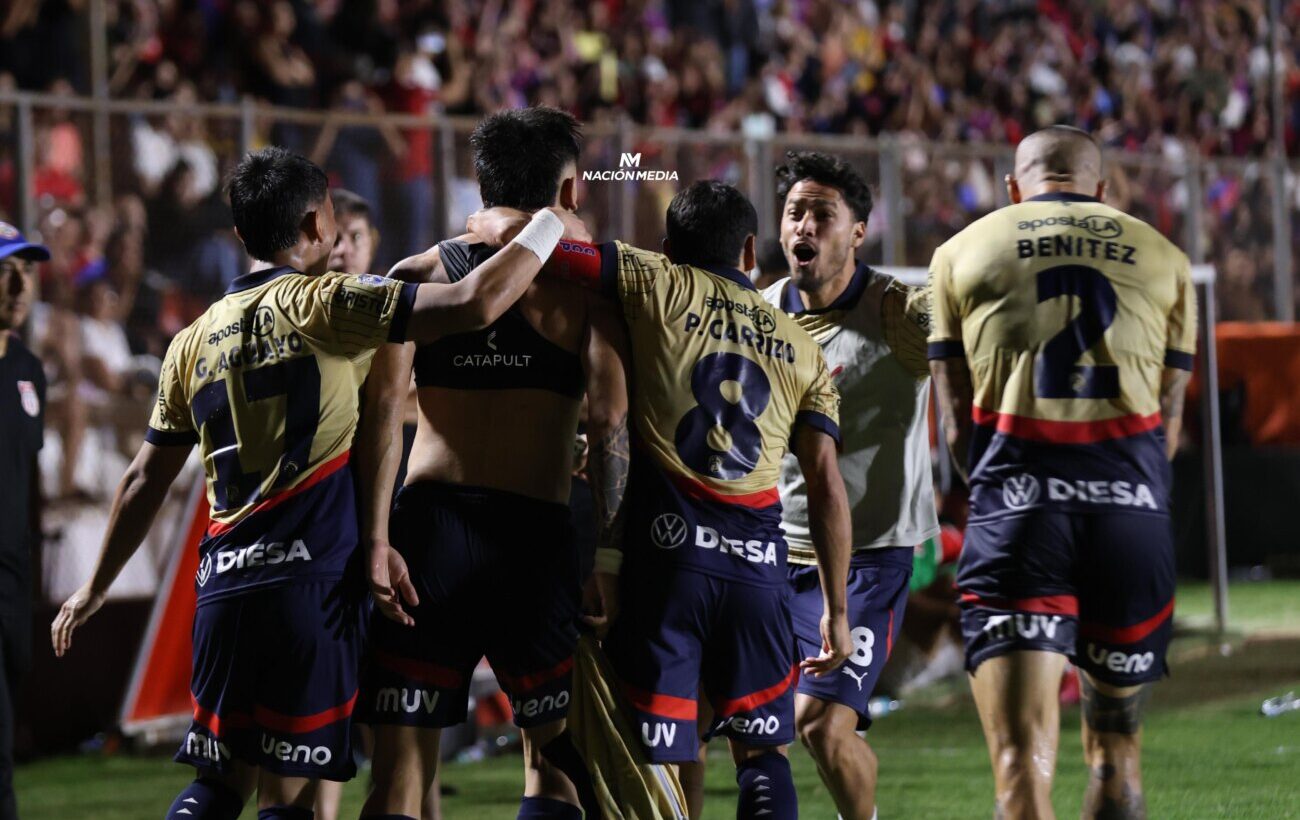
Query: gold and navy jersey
[(267, 383), (1067, 312), (721, 379)]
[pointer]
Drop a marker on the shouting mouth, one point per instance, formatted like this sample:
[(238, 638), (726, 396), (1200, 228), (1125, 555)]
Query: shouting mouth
[(804, 254)]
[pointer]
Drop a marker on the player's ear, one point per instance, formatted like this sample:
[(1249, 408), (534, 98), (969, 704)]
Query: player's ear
[(859, 234), (667, 248), (569, 193), (748, 256), (1013, 189), (1101, 190), (313, 225)]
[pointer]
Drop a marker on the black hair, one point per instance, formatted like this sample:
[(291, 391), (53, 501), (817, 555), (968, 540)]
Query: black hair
[(270, 192), (347, 203), (708, 223), (828, 170), (519, 156)]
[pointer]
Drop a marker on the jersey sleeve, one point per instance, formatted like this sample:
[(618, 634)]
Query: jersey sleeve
[(945, 319), (346, 314), (1180, 346), (905, 317), (820, 406), (170, 423)]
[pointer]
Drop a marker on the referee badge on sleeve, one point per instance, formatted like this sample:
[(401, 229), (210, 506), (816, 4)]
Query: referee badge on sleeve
[(31, 401)]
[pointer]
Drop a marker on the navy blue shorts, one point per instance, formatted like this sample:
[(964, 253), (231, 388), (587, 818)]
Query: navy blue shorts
[(877, 596), (681, 630), (1097, 588), (275, 679), (497, 576)]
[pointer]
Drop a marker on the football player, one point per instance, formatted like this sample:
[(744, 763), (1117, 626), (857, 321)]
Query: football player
[(1062, 343), (482, 521), (725, 386), (266, 382)]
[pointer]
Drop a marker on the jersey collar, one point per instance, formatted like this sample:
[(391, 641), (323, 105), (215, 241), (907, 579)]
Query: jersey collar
[(733, 275), (256, 278), (792, 302), (1062, 196)]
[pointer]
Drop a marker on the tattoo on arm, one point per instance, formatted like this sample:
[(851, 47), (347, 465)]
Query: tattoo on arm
[(1108, 713), (608, 467)]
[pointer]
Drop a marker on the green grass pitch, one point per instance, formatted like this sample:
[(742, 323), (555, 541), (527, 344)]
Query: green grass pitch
[(1208, 753)]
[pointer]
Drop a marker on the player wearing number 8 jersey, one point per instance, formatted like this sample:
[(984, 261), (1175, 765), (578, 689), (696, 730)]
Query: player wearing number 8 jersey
[(266, 382), (1062, 336), (724, 384)]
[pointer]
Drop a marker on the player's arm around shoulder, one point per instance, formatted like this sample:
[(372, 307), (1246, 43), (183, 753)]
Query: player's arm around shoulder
[(606, 361), (479, 299)]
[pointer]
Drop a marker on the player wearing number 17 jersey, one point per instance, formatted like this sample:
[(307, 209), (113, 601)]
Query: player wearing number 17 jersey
[(266, 382), (1062, 336), (724, 384)]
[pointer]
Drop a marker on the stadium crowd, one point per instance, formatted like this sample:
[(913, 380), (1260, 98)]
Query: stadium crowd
[(1166, 77)]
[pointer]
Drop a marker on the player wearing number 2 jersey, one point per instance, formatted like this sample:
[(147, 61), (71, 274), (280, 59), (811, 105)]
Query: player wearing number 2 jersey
[(266, 382), (1062, 336), (723, 385)]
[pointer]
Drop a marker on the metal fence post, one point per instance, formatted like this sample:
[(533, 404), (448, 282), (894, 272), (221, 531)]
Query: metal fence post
[(1194, 243), (25, 166), (100, 133), (247, 125), (1283, 287), (443, 173), (1212, 460), (894, 245)]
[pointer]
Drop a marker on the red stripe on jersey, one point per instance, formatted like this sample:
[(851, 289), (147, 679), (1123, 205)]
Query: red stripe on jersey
[(889, 636), (1127, 634), (421, 671), (1065, 432), (525, 683), (664, 706), (323, 472), (1042, 604), (300, 724), (214, 723), (696, 490), (734, 706)]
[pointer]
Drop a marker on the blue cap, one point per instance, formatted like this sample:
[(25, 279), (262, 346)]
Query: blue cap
[(12, 243)]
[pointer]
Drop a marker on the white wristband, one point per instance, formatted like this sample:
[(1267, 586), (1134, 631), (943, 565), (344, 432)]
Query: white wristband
[(541, 233)]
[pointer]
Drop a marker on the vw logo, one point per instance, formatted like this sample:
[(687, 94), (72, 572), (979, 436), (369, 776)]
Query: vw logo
[(205, 570), (764, 322), (1020, 491), (668, 531)]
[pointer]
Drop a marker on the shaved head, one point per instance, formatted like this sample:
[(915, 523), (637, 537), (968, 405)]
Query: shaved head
[(1057, 158)]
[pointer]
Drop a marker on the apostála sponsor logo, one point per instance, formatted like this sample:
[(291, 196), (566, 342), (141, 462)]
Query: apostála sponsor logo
[(1021, 491), (629, 170)]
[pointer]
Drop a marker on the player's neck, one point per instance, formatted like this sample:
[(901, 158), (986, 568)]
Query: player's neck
[(833, 289), (1059, 187)]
